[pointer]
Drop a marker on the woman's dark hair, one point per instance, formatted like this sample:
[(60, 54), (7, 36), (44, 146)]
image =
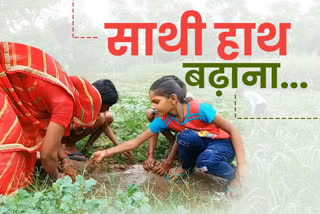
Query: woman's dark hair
[(108, 92), (168, 85)]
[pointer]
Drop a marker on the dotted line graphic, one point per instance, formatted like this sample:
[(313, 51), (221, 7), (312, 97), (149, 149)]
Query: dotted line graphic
[(235, 106), (268, 118), (277, 118), (79, 37)]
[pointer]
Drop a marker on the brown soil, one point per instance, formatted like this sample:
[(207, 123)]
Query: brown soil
[(120, 176)]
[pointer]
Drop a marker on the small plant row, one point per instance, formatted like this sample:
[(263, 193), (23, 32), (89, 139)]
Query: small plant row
[(67, 197)]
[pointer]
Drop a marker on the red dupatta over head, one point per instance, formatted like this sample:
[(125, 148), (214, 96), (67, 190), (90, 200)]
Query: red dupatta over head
[(21, 133), (26, 60)]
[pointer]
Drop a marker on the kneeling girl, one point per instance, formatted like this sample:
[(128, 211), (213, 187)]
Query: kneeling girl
[(205, 139)]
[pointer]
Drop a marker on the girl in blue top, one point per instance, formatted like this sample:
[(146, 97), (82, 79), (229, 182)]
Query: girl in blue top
[(206, 139)]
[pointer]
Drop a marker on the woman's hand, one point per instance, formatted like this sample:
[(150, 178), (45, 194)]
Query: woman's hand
[(65, 161), (70, 171), (161, 168), (50, 148), (67, 169), (98, 156)]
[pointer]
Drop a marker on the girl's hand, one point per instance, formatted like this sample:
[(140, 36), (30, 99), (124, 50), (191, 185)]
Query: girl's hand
[(149, 163), (99, 155), (241, 172), (161, 168)]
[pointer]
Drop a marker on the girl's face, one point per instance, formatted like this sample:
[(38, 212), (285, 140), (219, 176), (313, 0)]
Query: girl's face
[(161, 104)]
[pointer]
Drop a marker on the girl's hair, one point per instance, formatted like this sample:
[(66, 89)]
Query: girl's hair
[(168, 85), (108, 92)]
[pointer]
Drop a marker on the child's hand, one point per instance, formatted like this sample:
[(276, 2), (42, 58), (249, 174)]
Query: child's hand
[(241, 171), (98, 156), (161, 168), (129, 155), (149, 163)]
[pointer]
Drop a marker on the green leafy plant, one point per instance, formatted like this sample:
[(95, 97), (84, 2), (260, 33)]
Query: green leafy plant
[(67, 197)]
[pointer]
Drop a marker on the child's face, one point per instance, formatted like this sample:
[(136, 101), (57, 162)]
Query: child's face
[(160, 104)]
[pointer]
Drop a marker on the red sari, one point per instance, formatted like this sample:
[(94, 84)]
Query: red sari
[(34, 90)]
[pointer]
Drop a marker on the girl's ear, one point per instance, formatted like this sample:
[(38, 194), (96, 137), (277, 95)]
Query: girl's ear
[(174, 99)]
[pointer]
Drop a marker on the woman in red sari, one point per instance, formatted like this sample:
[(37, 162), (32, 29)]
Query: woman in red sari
[(38, 103)]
